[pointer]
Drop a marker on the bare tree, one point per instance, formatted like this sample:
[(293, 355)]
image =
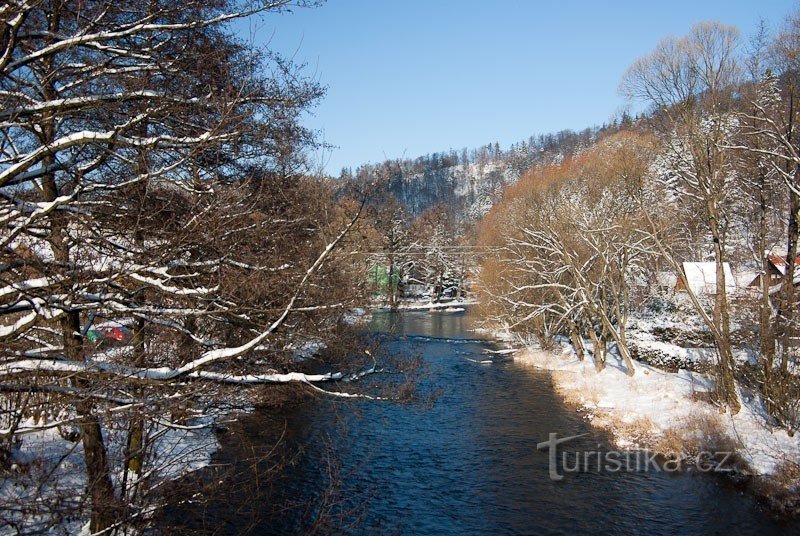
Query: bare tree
[(690, 82), (570, 249), (439, 263), (769, 142), (151, 174)]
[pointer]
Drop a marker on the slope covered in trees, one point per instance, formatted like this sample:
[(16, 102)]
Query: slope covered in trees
[(471, 181)]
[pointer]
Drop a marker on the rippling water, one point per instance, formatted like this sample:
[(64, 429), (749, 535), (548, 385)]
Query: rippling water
[(466, 465)]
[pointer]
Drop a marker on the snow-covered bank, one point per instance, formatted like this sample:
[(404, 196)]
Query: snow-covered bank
[(654, 401), (449, 306), (669, 412)]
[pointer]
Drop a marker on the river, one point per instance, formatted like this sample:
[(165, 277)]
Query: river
[(466, 464)]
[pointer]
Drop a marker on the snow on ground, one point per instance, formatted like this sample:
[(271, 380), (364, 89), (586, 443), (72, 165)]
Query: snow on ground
[(455, 304), (668, 355), (642, 410), (356, 316), (49, 471), (305, 349)]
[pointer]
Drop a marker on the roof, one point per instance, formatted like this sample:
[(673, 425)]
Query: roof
[(702, 277), (746, 278), (779, 262)]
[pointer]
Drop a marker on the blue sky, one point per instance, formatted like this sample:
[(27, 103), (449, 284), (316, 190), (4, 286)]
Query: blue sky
[(410, 77)]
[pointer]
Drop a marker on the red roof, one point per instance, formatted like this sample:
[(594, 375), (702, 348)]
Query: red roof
[(779, 262)]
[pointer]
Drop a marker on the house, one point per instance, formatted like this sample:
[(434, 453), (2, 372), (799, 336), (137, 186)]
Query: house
[(702, 278), (415, 290), (775, 270)]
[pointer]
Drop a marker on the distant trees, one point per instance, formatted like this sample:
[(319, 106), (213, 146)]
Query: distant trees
[(443, 177), (439, 261), (392, 243)]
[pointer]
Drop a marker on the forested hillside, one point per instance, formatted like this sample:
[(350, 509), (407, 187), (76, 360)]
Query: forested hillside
[(472, 181)]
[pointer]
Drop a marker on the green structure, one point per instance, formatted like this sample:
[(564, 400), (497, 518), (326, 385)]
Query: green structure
[(379, 279)]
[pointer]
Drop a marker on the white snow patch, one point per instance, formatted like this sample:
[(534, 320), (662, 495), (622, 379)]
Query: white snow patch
[(663, 399)]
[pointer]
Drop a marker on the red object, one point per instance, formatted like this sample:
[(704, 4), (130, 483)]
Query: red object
[(116, 333), (779, 262)]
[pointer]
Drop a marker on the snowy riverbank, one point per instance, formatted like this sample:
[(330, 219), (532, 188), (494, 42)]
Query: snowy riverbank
[(453, 306), (669, 412)]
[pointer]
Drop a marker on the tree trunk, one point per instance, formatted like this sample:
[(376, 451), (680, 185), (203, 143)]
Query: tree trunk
[(766, 332), (787, 310), (599, 350), (134, 455), (392, 288), (727, 385), (101, 489), (577, 341), (622, 345), (624, 351)]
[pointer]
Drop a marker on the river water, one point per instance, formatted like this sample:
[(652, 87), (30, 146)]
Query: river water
[(466, 464)]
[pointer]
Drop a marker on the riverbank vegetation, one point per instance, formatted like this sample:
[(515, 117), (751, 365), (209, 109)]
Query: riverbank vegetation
[(631, 244)]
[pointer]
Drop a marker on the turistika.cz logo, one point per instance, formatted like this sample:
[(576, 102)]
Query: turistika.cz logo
[(615, 461)]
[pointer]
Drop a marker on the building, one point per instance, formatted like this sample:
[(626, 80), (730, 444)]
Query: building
[(702, 278), (775, 270)]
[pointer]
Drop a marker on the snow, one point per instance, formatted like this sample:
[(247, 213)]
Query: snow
[(162, 286), (446, 306), (356, 316), (702, 277), (43, 458), (306, 349), (504, 351), (158, 373), (666, 280), (638, 410), (23, 286), (24, 322), (745, 277)]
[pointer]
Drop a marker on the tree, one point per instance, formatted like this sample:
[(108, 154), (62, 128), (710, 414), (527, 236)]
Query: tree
[(769, 141), (440, 262), (150, 172), (567, 248), (390, 219), (690, 83)]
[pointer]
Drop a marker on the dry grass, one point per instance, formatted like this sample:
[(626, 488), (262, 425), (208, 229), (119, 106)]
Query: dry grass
[(703, 435), (781, 490), (640, 432)]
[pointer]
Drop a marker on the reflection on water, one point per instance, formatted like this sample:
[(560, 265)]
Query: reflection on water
[(469, 464), (422, 323)]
